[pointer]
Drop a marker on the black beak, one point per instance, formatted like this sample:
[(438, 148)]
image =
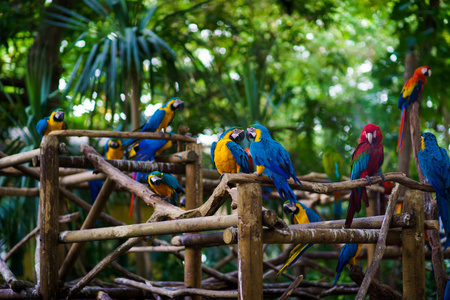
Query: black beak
[(156, 180), (178, 104), (288, 209), (59, 116), (238, 135), (249, 134), (114, 145)]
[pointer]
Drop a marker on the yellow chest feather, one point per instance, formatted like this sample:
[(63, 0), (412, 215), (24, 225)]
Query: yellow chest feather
[(54, 125), (224, 160), (114, 153), (168, 117), (162, 189)]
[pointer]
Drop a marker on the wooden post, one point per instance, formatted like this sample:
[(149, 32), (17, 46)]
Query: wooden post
[(194, 198), (413, 256), (250, 254), (48, 207), (373, 210)]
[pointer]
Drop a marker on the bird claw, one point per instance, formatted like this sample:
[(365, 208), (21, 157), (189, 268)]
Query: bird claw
[(382, 177), (221, 176), (256, 173), (368, 179)]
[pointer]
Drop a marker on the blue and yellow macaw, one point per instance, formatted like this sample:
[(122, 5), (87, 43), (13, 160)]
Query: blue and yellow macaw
[(435, 165), (54, 122), (300, 215), (113, 150), (333, 163), (160, 119), (348, 255), (146, 150), (270, 156), (227, 155), (165, 185), (410, 94)]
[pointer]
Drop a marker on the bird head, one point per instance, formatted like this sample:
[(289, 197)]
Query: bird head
[(114, 143), (423, 71), (371, 133), (155, 178), (428, 139), (58, 115), (235, 134), (256, 131), (289, 209), (175, 103)]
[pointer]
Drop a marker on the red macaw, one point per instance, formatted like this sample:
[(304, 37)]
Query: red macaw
[(410, 94), (366, 161)]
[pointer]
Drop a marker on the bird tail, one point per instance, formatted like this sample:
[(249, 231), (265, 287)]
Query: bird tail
[(444, 209), (128, 143), (402, 131), (338, 274), (355, 204), (295, 254), (283, 188), (134, 176), (337, 204)]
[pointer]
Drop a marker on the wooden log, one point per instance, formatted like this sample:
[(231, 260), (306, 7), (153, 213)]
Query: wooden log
[(123, 165), (210, 239), (381, 244), (19, 158), (103, 296), (188, 156), (317, 236), (25, 294), (413, 258), (325, 188), (291, 288), (376, 289), (124, 135), (19, 192), (48, 206), (6, 273), (145, 249), (250, 254), (89, 222), (149, 229), (74, 179)]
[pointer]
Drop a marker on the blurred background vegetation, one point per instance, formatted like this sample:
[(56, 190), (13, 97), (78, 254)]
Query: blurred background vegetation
[(313, 72)]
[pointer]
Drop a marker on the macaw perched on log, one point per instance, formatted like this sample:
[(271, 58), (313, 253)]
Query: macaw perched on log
[(54, 122), (269, 155), (333, 163), (348, 255), (227, 155), (366, 161), (146, 150), (435, 165), (113, 150), (301, 215), (410, 94), (160, 119), (165, 185)]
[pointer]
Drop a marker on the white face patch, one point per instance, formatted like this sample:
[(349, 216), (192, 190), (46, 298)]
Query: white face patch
[(425, 70), (375, 134)]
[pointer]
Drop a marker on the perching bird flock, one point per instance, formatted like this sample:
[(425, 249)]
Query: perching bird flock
[(273, 160)]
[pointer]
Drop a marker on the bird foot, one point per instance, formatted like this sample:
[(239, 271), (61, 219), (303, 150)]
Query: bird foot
[(368, 179), (382, 176), (256, 173), (221, 176)]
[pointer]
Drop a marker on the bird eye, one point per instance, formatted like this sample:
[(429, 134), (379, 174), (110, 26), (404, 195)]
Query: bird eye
[(424, 71)]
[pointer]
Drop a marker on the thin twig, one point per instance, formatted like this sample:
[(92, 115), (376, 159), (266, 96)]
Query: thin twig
[(291, 288)]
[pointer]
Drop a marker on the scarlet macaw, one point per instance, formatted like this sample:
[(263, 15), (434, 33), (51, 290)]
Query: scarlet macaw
[(347, 256), (165, 185), (226, 154), (160, 119), (333, 163), (410, 94), (54, 122), (435, 165), (301, 215), (146, 150), (366, 161), (113, 150), (269, 155)]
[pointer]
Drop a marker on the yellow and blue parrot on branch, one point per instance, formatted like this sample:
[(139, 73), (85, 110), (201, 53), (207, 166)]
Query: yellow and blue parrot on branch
[(165, 185), (113, 150), (300, 215), (435, 165), (54, 122), (146, 150), (270, 156), (227, 155), (160, 119), (333, 164), (348, 255)]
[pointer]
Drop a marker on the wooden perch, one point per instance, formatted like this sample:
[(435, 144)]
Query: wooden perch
[(183, 157), (292, 287), (381, 244), (19, 158), (125, 135), (149, 229), (161, 207), (19, 192), (6, 273), (80, 177), (376, 288), (156, 249)]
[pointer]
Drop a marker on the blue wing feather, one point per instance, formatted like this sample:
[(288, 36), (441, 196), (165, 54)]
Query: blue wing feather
[(213, 148), (42, 125), (239, 155), (154, 121), (347, 252)]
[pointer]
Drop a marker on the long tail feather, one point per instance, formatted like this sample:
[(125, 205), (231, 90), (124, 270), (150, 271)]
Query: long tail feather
[(133, 176), (402, 130), (337, 204), (295, 254), (337, 278), (351, 209)]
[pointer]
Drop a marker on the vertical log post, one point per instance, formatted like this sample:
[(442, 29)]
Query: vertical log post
[(250, 254), (373, 210), (194, 198), (413, 256), (48, 209)]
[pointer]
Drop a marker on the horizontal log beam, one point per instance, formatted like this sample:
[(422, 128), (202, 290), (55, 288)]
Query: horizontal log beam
[(80, 177), (20, 192), (123, 165), (125, 135), (210, 239), (156, 249), (149, 229), (180, 157), (19, 158), (317, 236)]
